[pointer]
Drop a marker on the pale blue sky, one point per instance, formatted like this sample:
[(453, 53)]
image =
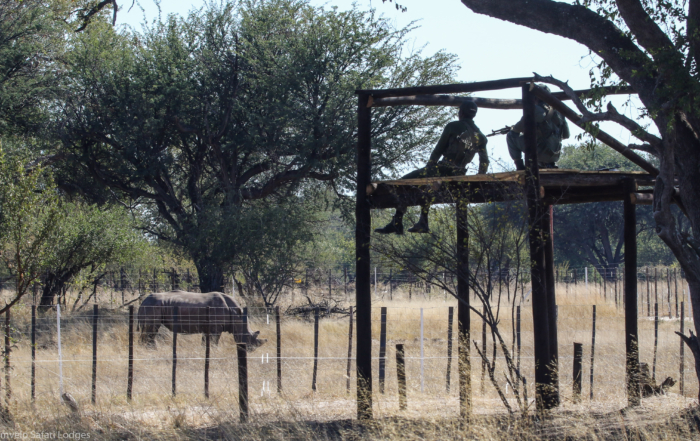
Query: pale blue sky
[(487, 49)]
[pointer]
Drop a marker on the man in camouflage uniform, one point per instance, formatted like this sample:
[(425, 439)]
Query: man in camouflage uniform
[(551, 128), (460, 141)]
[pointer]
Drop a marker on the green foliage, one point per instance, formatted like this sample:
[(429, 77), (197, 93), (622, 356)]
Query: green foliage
[(194, 121), (31, 40), (29, 212), (87, 239), (592, 233)]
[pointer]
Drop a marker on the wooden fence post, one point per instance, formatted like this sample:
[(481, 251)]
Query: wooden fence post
[(123, 283), (668, 292), (33, 380), (675, 284), (517, 337), (401, 376), (450, 315), (241, 351), (8, 389), (279, 348), (130, 373), (316, 318), (656, 338), (95, 313), (592, 350), (207, 353), (483, 351), (349, 351), (646, 272), (630, 295), (681, 380), (578, 368), (176, 320), (391, 284), (382, 350)]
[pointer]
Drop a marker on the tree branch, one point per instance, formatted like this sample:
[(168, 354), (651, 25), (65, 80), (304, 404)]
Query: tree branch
[(648, 33), (582, 25), (611, 115)]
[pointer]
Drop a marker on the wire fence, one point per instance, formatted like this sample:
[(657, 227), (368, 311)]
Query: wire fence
[(315, 362)]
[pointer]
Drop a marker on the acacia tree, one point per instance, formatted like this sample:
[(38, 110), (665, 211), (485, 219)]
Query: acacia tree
[(654, 47), (28, 216), (196, 119), (85, 236), (593, 233)]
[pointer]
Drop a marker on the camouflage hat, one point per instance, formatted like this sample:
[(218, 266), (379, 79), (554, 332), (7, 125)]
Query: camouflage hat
[(468, 109)]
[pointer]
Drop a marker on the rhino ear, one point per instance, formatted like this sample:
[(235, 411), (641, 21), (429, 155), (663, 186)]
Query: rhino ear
[(255, 334)]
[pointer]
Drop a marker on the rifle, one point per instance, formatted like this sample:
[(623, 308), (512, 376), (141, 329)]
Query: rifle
[(502, 131)]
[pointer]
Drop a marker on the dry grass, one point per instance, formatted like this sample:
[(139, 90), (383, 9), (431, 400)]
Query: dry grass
[(297, 412)]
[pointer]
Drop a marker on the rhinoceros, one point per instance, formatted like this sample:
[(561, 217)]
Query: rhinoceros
[(225, 315)]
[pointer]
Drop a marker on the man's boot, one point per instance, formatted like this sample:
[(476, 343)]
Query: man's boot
[(519, 164), (421, 226), (395, 226)]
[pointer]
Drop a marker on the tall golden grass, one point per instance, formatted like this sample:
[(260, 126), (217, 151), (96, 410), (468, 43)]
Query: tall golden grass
[(298, 412)]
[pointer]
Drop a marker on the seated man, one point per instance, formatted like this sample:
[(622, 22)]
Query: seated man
[(551, 128), (459, 143)]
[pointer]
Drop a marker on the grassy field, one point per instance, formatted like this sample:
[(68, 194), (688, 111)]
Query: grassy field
[(297, 410)]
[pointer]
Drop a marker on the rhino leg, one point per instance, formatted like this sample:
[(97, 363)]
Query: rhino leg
[(213, 339), (148, 335)]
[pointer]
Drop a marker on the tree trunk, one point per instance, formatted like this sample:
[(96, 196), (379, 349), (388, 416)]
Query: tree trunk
[(211, 274), (53, 285)]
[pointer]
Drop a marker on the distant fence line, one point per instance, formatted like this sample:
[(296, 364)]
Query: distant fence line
[(340, 281)]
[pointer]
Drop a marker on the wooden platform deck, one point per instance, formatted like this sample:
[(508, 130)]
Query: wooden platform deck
[(557, 186)]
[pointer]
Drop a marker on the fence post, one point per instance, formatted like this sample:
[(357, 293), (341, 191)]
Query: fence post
[(656, 286), (349, 351), (483, 351), (675, 284), (422, 354), (605, 284), (60, 355), (130, 373), (668, 292), (8, 389), (241, 352), (401, 375), (517, 337), (681, 381), (207, 353), (279, 348), (578, 367), (592, 350), (176, 320), (123, 282), (95, 315), (382, 350), (646, 273), (656, 338), (375, 282), (316, 317), (450, 315), (33, 380), (391, 284)]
